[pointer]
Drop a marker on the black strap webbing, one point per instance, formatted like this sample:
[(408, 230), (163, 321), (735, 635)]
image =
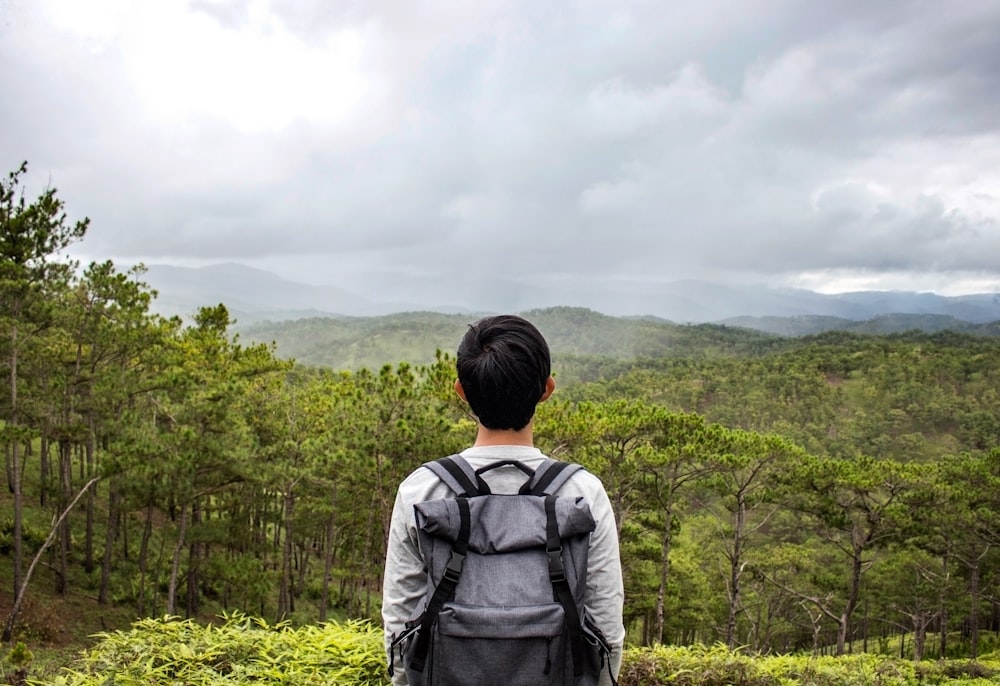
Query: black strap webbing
[(560, 586), (546, 479), (445, 590), (470, 489)]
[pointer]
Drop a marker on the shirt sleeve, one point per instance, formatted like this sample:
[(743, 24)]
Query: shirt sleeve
[(605, 596), (404, 580)]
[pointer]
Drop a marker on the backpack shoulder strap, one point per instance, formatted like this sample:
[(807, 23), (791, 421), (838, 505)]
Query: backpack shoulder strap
[(560, 586), (458, 475), (550, 477), (445, 591)]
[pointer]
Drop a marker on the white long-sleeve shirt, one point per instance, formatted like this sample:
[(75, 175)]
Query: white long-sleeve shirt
[(405, 579)]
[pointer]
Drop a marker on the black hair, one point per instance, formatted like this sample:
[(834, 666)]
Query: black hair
[(503, 365)]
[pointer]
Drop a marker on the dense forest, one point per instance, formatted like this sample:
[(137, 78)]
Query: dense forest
[(355, 342), (822, 493)]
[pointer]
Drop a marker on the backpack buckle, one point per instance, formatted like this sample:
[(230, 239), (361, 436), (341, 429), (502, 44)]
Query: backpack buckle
[(556, 570), (454, 569)]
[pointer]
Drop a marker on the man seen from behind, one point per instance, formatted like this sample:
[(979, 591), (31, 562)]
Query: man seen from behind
[(504, 371)]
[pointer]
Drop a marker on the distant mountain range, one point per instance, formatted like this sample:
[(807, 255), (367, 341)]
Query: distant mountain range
[(254, 296)]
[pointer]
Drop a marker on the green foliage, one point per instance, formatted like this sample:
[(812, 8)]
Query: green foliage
[(32, 537), (785, 494), (20, 659), (19, 656), (241, 650), (738, 475), (699, 665)]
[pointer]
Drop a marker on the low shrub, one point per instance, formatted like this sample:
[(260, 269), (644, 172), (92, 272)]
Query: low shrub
[(171, 651), (691, 666), (240, 650), (718, 666), (33, 538)]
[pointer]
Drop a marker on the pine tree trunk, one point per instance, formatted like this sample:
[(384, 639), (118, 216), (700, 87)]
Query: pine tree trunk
[(143, 561), (192, 604), (89, 457), (285, 605), (327, 565), (943, 610), (852, 601), (919, 637), (664, 575), (974, 609), (176, 563), (114, 498), (14, 467), (65, 531), (18, 527), (303, 567), (735, 571), (44, 467)]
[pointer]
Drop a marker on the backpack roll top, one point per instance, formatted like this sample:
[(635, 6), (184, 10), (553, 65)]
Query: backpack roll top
[(524, 521), (504, 565)]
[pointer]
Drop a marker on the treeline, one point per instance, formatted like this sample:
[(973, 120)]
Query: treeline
[(825, 493), (355, 342), (911, 397)]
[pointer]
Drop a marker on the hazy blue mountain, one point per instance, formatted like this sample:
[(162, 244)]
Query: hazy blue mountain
[(254, 295), (695, 301), (250, 294), (805, 325), (414, 337)]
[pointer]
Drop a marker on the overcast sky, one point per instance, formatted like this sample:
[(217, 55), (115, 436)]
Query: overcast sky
[(446, 150)]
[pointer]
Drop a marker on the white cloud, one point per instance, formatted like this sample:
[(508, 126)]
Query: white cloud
[(183, 64)]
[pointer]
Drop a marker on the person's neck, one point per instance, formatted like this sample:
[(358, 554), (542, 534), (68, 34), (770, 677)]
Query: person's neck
[(490, 437)]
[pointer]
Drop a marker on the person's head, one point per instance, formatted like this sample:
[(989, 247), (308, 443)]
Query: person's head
[(504, 371)]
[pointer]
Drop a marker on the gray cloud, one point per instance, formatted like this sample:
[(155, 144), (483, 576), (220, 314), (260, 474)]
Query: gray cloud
[(501, 147)]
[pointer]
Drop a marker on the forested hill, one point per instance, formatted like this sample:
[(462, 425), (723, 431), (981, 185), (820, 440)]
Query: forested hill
[(355, 342), (804, 325)]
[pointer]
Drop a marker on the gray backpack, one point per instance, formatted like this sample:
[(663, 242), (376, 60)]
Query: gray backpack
[(507, 575)]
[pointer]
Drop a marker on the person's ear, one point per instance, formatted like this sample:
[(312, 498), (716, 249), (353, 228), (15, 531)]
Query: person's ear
[(550, 385), (460, 390)]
